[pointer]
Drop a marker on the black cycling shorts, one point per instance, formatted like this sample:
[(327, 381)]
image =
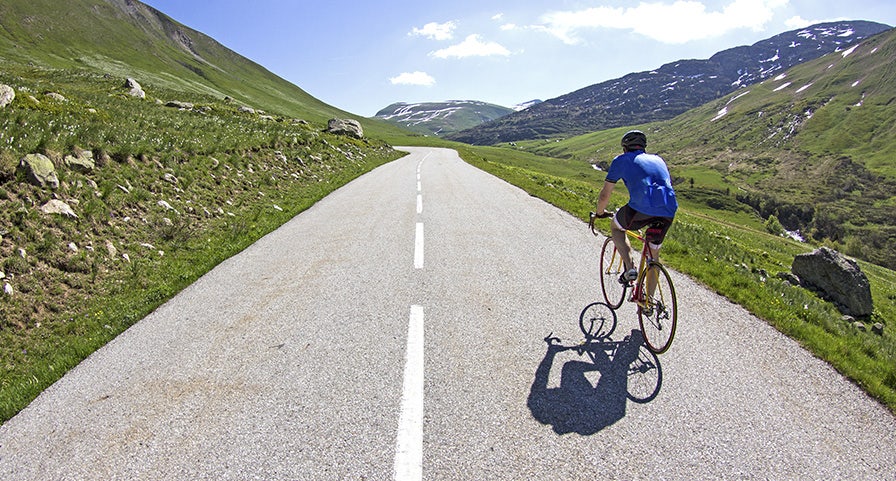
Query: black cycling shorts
[(630, 219)]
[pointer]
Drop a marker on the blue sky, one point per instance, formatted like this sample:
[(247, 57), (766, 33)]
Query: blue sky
[(362, 55)]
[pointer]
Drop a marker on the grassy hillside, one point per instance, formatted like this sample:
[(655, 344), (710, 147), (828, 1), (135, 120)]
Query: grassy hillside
[(814, 147), (125, 38)]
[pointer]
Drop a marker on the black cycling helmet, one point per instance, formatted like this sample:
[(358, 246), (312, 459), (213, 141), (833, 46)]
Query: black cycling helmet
[(634, 138)]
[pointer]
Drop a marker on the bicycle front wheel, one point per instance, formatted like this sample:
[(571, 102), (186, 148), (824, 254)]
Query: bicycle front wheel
[(658, 311), (611, 267)]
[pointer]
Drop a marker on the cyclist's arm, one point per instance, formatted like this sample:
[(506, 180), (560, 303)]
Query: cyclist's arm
[(603, 200)]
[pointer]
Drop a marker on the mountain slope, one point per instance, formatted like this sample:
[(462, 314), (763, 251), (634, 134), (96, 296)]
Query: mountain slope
[(813, 146), (441, 118), (126, 38), (670, 90)]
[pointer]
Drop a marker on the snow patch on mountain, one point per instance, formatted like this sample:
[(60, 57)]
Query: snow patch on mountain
[(525, 105)]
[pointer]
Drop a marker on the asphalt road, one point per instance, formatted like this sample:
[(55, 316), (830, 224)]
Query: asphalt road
[(396, 330)]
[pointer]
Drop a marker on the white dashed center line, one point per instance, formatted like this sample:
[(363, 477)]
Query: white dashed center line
[(418, 247), (409, 444), (409, 447)]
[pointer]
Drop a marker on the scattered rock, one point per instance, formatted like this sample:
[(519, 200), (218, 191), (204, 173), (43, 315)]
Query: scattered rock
[(83, 162), (165, 205), (110, 248), (170, 178), (179, 105), (789, 278), (878, 328), (837, 278), (57, 206), (73, 247), (860, 326), (134, 88), (246, 110), (56, 96), (7, 289), (39, 170), (349, 127), (7, 95)]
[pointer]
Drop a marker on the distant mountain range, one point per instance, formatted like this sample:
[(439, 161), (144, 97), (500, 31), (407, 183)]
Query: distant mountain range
[(443, 118), (671, 89)]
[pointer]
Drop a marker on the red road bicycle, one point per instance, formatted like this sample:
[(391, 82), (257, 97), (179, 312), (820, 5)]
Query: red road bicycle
[(652, 291)]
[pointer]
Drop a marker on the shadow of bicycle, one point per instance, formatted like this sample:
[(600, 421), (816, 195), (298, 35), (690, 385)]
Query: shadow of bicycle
[(594, 387)]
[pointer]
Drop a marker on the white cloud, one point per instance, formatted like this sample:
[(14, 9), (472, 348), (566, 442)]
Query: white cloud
[(680, 21), (472, 46), (498, 16), (435, 31), (413, 78)]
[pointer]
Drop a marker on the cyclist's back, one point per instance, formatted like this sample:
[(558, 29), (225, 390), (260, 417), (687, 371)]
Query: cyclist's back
[(648, 182)]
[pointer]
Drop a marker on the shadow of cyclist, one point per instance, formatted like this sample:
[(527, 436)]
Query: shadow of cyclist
[(577, 406)]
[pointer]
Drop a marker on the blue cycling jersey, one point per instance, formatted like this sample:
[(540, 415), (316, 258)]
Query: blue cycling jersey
[(648, 182)]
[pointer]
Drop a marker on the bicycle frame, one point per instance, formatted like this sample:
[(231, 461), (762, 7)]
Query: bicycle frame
[(646, 259)]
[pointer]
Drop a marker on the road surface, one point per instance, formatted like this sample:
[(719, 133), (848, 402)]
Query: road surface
[(396, 330)]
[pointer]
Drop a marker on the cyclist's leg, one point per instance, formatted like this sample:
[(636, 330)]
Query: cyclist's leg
[(618, 227), (654, 236)]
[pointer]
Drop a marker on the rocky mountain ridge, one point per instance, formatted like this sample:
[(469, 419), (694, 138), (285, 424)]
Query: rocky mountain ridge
[(672, 89)]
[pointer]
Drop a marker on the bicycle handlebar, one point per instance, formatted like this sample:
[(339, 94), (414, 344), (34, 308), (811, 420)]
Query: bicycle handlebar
[(594, 215)]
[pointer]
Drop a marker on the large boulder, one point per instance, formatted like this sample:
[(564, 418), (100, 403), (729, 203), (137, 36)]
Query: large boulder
[(39, 170), (349, 127), (7, 95), (837, 278)]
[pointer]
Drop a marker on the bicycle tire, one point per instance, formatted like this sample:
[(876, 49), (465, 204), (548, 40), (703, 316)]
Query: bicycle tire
[(597, 320), (659, 322), (611, 267)]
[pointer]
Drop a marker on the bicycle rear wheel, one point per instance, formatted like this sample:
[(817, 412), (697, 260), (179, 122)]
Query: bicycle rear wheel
[(658, 313), (611, 267)]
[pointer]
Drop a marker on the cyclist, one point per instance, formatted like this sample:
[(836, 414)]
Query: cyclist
[(651, 202)]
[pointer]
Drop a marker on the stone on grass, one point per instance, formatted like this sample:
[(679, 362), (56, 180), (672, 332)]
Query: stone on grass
[(39, 170)]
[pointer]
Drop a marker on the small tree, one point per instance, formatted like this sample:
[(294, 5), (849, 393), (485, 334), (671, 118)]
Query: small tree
[(774, 226)]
